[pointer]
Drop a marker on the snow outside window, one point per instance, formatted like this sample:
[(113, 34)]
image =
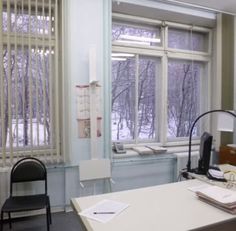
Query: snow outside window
[(160, 80), (28, 80)]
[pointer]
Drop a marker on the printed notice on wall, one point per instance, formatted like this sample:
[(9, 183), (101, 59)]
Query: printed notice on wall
[(83, 110)]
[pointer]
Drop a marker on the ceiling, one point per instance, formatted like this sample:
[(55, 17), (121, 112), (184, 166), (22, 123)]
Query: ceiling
[(227, 6), (162, 13)]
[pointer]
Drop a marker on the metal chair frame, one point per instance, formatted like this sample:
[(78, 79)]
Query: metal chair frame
[(27, 169)]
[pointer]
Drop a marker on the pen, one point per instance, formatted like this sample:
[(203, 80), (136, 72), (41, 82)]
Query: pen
[(103, 212)]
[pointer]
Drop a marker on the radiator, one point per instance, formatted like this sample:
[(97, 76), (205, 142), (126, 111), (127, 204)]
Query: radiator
[(4, 184), (182, 159)]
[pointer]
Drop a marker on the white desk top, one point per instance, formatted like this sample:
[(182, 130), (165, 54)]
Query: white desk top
[(169, 207)]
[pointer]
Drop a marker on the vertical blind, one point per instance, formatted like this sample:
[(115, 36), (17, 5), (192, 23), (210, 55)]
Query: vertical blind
[(29, 118)]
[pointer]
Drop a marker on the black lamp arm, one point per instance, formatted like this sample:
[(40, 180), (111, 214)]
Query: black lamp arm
[(191, 131)]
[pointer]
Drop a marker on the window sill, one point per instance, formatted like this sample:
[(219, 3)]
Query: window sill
[(168, 154)]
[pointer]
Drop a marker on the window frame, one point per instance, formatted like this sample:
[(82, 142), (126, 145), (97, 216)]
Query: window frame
[(165, 53)]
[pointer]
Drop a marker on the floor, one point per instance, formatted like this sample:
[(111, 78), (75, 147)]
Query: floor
[(60, 222)]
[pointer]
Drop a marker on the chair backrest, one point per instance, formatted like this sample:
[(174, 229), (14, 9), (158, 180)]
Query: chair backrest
[(28, 169)]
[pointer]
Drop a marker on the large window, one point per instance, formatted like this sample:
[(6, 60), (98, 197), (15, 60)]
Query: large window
[(160, 80), (28, 79)]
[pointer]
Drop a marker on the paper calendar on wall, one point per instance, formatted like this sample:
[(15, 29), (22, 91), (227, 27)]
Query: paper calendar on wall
[(83, 109)]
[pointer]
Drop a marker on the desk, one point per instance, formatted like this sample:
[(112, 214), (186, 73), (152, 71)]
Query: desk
[(169, 207), (227, 155)]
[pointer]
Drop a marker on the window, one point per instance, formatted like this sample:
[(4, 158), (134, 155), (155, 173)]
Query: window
[(133, 97), (160, 80), (184, 96), (29, 79), (188, 40), (134, 34)]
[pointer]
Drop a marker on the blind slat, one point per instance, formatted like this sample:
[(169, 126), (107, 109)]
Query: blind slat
[(16, 78), (37, 75), (29, 118), (9, 77), (44, 78), (2, 93), (57, 77), (30, 79), (50, 80)]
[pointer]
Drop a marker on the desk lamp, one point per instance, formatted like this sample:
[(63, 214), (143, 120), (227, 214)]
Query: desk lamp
[(192, 127)]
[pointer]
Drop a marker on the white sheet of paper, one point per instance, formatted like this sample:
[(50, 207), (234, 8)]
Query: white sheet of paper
[(225, 122), (113, 208), (199, 187), (219, 194)]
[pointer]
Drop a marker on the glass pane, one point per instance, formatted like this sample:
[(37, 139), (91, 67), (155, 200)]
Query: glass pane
[(123, 98), (27, 89), (21, 22), (148, 69), (184, 78), (187, 40), (136, 35)]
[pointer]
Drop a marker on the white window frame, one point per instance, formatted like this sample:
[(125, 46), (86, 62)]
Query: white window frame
[(164, 53)]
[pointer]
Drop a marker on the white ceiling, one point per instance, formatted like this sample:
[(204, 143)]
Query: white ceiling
[(163, 11), (227, 6), (151, 11)]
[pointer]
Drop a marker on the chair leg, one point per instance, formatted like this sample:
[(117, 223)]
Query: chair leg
[(9, 219), (48, 219), (49, 211), (50, 215), (1, 228)]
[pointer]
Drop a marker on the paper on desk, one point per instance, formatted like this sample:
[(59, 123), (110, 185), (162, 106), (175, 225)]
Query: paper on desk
[(199, 187), (104, 206), (218, 195), (227, 167)]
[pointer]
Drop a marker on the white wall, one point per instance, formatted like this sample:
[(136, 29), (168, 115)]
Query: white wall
[(83, 28)]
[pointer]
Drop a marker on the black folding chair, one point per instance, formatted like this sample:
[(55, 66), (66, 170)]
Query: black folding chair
[(28, 169)]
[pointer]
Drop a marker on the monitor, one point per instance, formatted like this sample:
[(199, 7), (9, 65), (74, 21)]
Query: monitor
[(205, 153)]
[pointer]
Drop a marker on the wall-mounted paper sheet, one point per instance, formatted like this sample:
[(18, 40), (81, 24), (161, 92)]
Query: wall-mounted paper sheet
[(225, 122)]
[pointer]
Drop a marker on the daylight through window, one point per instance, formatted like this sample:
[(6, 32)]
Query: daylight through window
[(28, 79), (160, 79)]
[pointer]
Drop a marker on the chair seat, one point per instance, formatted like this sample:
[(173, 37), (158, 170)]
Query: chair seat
[(25, 203)]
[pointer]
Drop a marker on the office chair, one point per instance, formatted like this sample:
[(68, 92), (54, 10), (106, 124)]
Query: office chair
[(28, 169)]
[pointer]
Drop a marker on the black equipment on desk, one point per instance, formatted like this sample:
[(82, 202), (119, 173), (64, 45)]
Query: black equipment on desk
[(205, 154), (204, 168), (192, 129), (214, 173)]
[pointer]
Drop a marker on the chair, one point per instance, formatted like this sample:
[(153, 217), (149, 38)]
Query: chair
[(28, 169)]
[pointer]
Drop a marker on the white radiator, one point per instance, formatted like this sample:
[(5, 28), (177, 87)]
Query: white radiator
[(182, 159), (4, 184)]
